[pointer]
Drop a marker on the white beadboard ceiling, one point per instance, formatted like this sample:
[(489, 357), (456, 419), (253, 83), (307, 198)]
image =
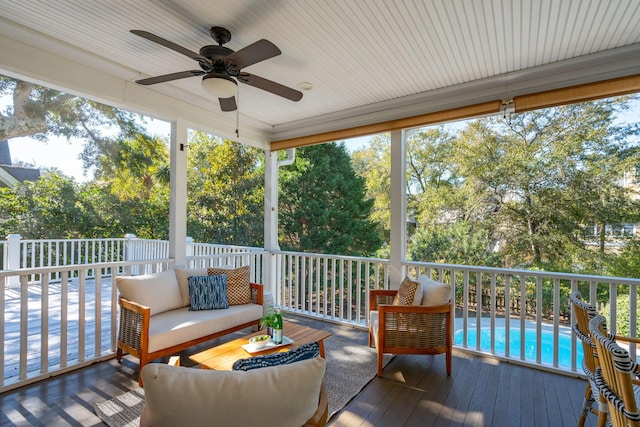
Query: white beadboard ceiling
[(367, 59)]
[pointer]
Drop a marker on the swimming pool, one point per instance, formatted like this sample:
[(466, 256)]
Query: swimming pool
[(564, 342)]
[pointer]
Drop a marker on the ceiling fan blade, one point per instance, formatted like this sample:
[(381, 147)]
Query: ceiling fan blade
[(270, 86), (169, 77), (255, 52), (228, 104), (175, 47)]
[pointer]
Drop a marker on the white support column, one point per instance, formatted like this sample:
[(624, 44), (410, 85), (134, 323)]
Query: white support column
[(270, 218), (13, 259), (178, 198), (398, 207)]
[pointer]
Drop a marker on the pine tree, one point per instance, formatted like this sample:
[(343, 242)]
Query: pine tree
[(323, 207)]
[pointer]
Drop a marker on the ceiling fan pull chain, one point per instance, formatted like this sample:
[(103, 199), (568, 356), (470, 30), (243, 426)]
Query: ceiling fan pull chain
[(238, 115)]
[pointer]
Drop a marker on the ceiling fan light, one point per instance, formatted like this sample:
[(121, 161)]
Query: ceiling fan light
[(219, 85)]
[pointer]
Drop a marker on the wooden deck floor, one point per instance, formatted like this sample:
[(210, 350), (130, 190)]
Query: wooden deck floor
[(414, 391)]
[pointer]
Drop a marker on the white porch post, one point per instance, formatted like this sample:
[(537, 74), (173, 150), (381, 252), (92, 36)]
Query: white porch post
[(13, 259), (398, 204), (178, 197), (271, 220)]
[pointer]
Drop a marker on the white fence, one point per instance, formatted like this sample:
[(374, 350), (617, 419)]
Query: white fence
[(518, 315), (50, 326), (63, 317), (20, 254)]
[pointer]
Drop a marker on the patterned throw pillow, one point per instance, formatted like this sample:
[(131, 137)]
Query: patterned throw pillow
[(207, 292), (407, 293), (238, 283), (306, 351)]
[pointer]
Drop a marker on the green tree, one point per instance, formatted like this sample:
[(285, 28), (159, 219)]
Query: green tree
[(533, 168), (105, 214), (44, 209), (373, 164), (133, 167), (458, 243), (431, 177), (40, 112), (627, 262), (323, 207), (623, 314), (225, 192)]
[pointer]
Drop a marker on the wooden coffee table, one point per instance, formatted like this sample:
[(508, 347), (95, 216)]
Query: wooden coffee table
[(223, 356)]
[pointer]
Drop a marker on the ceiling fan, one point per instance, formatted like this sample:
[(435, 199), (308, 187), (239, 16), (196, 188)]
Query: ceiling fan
[(220, 65)]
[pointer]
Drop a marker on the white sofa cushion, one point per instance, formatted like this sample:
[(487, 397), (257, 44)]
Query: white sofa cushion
[(179, 326), (285, 395), (434, 293), (158, 291), (182, 275), (373, 325)]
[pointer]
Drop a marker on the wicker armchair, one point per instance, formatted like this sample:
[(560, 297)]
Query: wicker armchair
[(593, 402), (409, 329), (616, 376)]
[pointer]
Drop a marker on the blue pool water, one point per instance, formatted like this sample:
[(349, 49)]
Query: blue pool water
[(564, 342)]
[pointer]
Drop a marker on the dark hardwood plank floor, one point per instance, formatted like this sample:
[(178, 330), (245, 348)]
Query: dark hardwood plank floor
[(414, 391)]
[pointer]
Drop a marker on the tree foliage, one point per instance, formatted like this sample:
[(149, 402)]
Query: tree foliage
[(373, 164), (225, 192), (542, 173), (457, 243), (45, 209), (533, 184), (322, 203), (40, 112)]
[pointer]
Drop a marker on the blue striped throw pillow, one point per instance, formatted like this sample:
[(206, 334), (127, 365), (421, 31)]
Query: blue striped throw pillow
[(207, 292), (306, 351)]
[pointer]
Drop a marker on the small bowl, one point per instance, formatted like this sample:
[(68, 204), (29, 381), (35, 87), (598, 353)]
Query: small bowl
[(259, 341)]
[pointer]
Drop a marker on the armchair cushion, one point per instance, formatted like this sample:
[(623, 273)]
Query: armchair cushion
[(285, 395), (410, 293), (238, 283), (208, 292), (158, 291), (434, 293)]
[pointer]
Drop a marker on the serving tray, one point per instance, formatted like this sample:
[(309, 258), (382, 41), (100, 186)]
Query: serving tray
[(270, 345)]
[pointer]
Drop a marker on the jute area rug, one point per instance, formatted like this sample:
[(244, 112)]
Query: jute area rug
[(350, 367)]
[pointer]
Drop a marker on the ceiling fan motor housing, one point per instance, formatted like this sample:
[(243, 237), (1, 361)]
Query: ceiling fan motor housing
[(217, 55)]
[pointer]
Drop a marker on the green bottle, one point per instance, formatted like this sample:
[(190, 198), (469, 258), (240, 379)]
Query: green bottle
[(277, 327)]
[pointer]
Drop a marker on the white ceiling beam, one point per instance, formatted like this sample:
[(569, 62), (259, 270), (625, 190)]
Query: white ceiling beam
[(620, 62)]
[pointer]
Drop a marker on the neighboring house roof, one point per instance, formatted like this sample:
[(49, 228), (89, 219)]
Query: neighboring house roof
[(21, 173), (11, 175)]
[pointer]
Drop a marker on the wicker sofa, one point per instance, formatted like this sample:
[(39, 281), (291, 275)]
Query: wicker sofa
[(155, 319)]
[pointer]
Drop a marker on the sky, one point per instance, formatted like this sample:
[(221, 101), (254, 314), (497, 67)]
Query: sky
[(65, 155)]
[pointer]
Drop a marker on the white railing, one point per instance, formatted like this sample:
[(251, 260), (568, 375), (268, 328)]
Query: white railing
[(327, 286), (505, 305), (20, 254), (232, 257), (494, 307), (50, 326)]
